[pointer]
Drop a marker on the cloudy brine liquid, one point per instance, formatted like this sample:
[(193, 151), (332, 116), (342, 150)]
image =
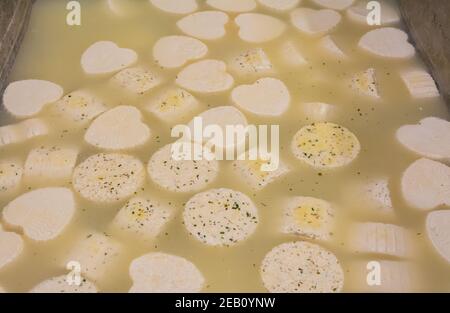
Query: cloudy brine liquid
[(52, 50)]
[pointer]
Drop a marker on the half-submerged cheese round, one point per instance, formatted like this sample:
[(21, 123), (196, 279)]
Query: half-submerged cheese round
[(315, 22), (42, 214), (11, 247), (387, 42), (105, 57), (429, 138), (176, 6), (175, 51), (280, 5), (233, 6), (438, 230), (325, 145), (161, 272), (107, 178), (207, 76), (266, 97), (205, 25), (259, 28), (426, 184), (301, 267), (220, 217), (118, 129), (59, 284), (27, 98), (181, 173)]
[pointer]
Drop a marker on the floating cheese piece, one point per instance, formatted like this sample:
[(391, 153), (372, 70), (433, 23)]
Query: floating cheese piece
[(319, 111), (290, 55), (233, 5), (266, 97), (394, 276), (105, 57), (330, 47), (33, 127), (438, 231), (359, 12), (221, 117), (377, 191), (137, 80), (259, 28), (26, 98), (429, 138), (280, 5), (386, 239), (108, 178), (220, 217), (173, 105), (420, 84), (387, 42), (79, 106), (10, 177), (181, 172), (20, 132), (11, 247), (252, 61), (252, 172), (176, 6), (309, 217), (370, 196), (175, 51), (11, 134), (118, 129), (334, 4), (50, 164), (315, 22), (366, 83), (162, 273), (301, 267), (426, 184), (42, 214), (206, 25), (59, 284), (97, 254), (325, 145), (207, 76), (142, 217)]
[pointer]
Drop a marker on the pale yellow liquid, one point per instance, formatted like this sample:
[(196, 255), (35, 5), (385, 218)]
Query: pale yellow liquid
[(52, 51)]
